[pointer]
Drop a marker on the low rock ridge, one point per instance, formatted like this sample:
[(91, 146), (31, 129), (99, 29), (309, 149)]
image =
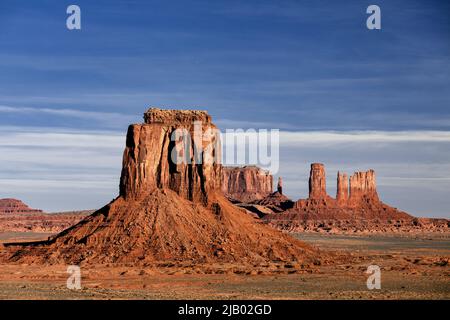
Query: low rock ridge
[(16, 216), (11, 206)]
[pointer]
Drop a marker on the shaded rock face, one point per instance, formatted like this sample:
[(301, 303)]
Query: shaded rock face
[(342, 188), (13, 207), (174, 149), (246, 184), (276, 202), (167, 211), (280, 185), (317, 182)]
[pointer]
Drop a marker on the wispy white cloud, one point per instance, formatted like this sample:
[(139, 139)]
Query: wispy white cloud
[(413, 168), (332, 137), (110, 119)]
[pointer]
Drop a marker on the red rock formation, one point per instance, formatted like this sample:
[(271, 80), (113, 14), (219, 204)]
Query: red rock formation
[(41, 222), (361, 211), (317, 182), (363, 188), (363, 200), (16, 216), (342, 188), (280, 185), (276, 202), (166, 152), (166, 211), (14, 206), (246, 184)]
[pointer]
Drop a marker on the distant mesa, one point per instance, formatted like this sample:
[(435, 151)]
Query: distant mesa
[(355, 197), (356, 208), (246, 184), (280, 185), (11, 206), (16, 216)]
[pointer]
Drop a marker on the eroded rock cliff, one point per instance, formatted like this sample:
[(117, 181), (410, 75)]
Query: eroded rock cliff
[(363, 188), (246, 184), (342, 188), (174, 149), (356, 208), (317, 182)]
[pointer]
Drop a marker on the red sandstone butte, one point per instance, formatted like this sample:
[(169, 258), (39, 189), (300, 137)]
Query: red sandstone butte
[(16, 216), (342, 188), (13, 207), (357, 208), (246, 184), (167, 211), (317, 182), (147, 157), (363, 188)]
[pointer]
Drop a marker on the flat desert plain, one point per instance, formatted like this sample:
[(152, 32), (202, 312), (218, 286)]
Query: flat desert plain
[(411, 268)]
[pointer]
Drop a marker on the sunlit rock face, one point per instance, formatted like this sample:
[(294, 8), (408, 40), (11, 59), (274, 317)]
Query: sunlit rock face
[(246, 184), (342, 188), (317, 182), (175, 149)]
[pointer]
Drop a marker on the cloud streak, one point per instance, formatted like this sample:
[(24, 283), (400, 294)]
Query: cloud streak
[(109, 119), (83, 167)]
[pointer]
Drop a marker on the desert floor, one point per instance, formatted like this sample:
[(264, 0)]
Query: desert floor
[(411, 268)]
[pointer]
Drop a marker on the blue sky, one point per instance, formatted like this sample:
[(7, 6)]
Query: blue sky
[(299, 66)]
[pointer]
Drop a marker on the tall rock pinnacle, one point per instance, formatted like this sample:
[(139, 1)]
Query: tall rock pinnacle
[(342, 187), (356, 207), (280, 185), (317, 182)]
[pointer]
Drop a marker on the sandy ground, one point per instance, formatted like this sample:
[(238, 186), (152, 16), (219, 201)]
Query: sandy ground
[(410, 269)]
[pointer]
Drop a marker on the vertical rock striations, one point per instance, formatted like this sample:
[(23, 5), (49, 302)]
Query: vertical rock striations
[(246, 184), (342, 188), (317, 182), (363, 187)]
